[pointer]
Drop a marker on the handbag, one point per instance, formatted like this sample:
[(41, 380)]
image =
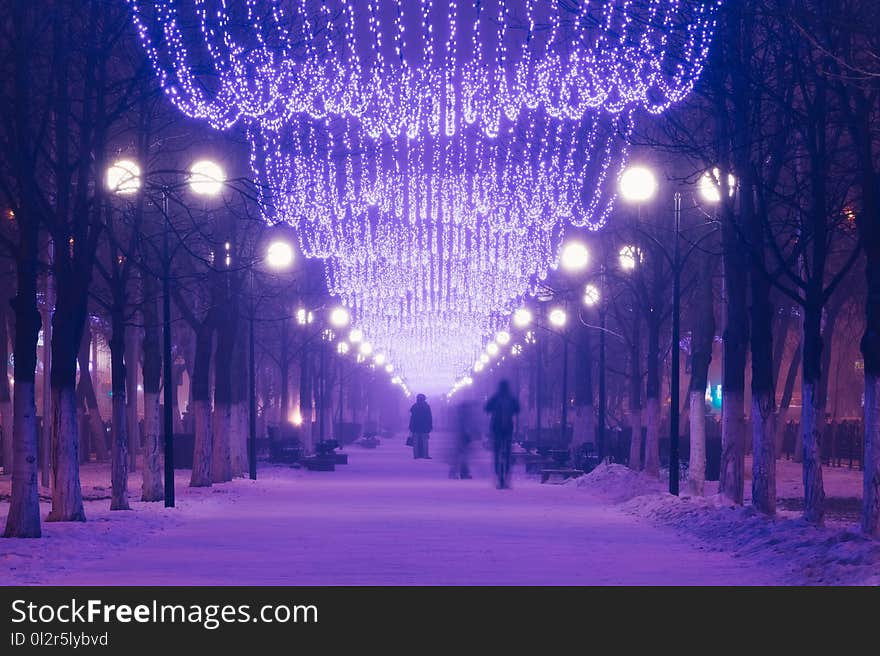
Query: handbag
[(409, 440)]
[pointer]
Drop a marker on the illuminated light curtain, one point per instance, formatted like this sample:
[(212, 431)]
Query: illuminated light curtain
[(423, 66), (356, 198)]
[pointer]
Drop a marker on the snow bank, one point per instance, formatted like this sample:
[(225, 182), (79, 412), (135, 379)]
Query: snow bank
[(618, 483), (803, 553)]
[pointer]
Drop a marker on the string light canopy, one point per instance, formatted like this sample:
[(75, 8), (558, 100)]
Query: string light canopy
[(422, 67)]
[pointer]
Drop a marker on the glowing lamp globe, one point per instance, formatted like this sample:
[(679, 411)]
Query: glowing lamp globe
[(279, 255), (522, 317), (123, 177), (557, 317), (574, 257), (710, 186), (627, 258), (638, 184), (339, 317), (591, 295), (206, 178)]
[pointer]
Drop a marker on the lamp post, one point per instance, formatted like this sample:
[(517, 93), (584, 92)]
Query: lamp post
[(558, 318), (279, 256), (638, 185), (206, 178)]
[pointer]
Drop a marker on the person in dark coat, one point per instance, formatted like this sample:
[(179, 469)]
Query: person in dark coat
[(467, 432), (502, 408), (421, 424)]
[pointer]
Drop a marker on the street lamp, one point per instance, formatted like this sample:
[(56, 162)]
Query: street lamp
[(709, 186), (279, 255), (574, 257), (557, 317), (492, 349), (628, 257), (637, 185), (591, 295), (206, 178), (503, 338), (356, 336), (339, 317), (123, 177), (522, 318)]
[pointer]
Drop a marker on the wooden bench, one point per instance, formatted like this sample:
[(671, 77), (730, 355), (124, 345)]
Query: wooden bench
[(286, 451), (564, 474), (319, 463)]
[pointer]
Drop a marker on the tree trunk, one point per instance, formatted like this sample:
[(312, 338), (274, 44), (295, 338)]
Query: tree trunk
[(152, 489), (284, 413), (814, 491), (731, 482), (67, 504), (23, 520), (697, 460), (703, 337), (652, 439), (635, 395), (305, 399), (763, 453), (202, 474), (98, 439), (119, 450), (763, 385), (131, 395), (6, 413), (871, 481)]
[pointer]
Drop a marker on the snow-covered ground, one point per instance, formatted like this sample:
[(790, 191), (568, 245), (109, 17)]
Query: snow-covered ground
[(383, 519), (837, 554)]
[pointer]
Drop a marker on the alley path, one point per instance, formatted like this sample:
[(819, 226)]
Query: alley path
[(383, 519)]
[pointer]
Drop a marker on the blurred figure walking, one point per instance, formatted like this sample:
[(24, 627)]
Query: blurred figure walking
[(502, 408), (421, 423), (466, 433)]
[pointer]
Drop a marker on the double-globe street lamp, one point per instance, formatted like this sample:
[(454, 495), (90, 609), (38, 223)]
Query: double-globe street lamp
[(205, 178), (638, 185)]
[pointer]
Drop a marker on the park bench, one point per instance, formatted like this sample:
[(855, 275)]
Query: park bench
[(559, 475)]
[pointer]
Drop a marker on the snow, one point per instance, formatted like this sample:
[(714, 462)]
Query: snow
[(388, 519), (800, 553)]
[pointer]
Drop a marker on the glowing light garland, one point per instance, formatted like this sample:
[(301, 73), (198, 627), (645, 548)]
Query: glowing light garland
[(431, 151), (418, 66)]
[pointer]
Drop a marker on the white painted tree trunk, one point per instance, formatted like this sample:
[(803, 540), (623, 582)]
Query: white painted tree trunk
[(697, 460), (635, 443), (119, 456), (732, 483), (203, 445), (67, 503), (221, 461), (814, 490), (152, 489), (132, 362), (7, 417), (871, 490), (240, 422), (763, 455), (652, 438), (23, 520)]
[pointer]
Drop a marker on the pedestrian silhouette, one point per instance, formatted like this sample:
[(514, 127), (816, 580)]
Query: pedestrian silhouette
[(466, 433), (502, 408), (420, 425)]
